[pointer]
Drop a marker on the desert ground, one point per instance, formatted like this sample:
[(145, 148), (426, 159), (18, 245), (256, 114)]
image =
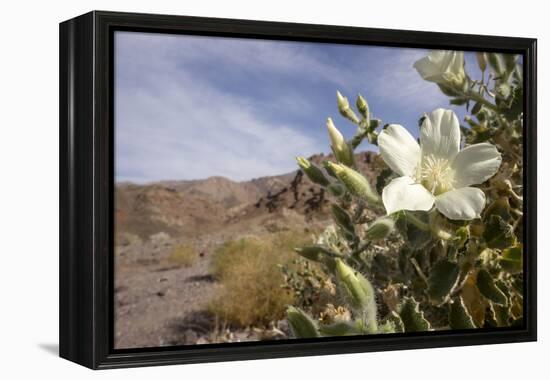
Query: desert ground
[(167, 234)]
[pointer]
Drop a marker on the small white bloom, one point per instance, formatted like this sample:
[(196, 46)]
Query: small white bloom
[(436, 172), (443, 67)]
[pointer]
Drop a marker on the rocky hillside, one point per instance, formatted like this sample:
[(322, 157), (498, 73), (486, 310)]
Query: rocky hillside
[(194, 208)]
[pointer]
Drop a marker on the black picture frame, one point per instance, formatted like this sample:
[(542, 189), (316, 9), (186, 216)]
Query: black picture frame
[(87, 188)]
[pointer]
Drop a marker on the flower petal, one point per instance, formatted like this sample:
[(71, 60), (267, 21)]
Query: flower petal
[(428, 69), (399, 149), (440, 134), (475, 164), (461, 204), (457, 63), (404, 194)]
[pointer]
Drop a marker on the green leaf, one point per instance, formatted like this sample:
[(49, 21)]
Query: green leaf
[(498, 234), (411, 316), (301, 324), (476, 108), (512, 259), (340, 329), (342, 218), (501, 314), (395, 319), (515, 107), (500, 207), (459, 317), (442, 279), (489, 289), (388, 327)]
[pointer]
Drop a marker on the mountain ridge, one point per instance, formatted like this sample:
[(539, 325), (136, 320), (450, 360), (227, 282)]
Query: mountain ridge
[(194, 207)]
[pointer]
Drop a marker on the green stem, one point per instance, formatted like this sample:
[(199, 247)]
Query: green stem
[(417, 222), (436, 230), (480, 99), (419, 270)]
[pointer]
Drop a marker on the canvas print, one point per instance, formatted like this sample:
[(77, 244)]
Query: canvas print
[(276, 190)]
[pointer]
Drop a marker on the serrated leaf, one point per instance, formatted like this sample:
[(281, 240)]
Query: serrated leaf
[(473, 300), (501, 314), (340, 329), (498, 234), (442, 279), (459, 317), (512, 259), (489, 289), (394, 318), (411, 316), (388, 327)]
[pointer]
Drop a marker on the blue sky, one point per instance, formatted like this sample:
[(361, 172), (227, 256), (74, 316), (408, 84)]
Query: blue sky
[(190, 107)]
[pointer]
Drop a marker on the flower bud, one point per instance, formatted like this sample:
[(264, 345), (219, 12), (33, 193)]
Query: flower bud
[(380, 228), (301, 324), (496, 62), (328, 168), (360, 291), (356, 184), (363, 108), (312, 171), (340, 148), (344, 108), (481, 60), (313, 252)]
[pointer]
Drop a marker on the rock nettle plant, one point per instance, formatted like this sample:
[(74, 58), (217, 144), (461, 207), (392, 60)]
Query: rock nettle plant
[(444, 251)]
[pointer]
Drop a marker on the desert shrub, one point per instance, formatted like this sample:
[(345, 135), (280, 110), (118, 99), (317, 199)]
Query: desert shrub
[(453, 262), (252, 292), (183, 255)]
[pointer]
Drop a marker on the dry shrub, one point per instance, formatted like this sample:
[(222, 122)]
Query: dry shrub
[(252, 292), (183, 255)]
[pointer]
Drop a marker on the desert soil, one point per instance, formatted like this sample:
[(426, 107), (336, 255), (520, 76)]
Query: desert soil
[(161, 303)]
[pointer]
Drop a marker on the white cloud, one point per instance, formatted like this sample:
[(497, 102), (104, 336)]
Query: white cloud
[(173, 123), (175, 126)]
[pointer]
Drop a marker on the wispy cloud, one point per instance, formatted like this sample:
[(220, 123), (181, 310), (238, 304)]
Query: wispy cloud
[(191, 107), (173, 125)]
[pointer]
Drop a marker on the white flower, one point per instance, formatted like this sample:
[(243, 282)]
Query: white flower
[(443, 67), (436, 171)]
